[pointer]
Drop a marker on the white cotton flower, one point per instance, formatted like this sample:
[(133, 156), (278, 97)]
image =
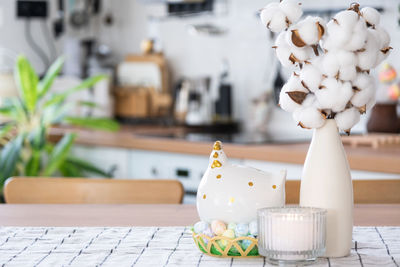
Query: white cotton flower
[(311, 76), (345, 31), (358, 36), (334, 94), (307, 32), (371, 15), (309, 117), (273, 17), (279, 16), (367, 57), (290, 55), (292, 10), (364, 90), (346, 119), (293, 85), (384, 41), (340, 64)]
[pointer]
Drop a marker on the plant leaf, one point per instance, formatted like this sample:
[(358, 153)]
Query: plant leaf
[(5, 129), (59, 154), (32, 168), (94, 123), (88, 104), (87, 166), (45, 84), (9, 157), (70, 170), (86, 84), (27, 81)]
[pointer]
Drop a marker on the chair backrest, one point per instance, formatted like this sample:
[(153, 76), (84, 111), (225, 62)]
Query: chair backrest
[(91, 191), (365, 191)]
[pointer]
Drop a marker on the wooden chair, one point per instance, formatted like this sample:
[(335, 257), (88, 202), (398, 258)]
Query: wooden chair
[(19, 190), (365, 191)]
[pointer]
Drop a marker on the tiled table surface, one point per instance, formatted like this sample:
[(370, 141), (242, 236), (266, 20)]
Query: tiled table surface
[(161, 246)]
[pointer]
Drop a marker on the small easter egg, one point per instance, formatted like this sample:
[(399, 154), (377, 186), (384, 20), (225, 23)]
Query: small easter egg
[(218, 227), (232, 226), (242, 229), (246, 243), (208, 233), (253, 228), (200, 226), (229, 233)]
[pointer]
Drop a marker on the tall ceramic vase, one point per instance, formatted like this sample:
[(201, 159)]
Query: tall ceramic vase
[(326, 183)]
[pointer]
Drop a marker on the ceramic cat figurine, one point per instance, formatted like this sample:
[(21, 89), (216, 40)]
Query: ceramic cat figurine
[(233, 193)]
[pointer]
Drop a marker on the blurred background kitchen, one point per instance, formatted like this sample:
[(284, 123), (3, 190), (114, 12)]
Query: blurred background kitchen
[(182, 74)]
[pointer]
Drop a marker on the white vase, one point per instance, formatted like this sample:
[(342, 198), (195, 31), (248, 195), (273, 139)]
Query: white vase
[(326, 183)]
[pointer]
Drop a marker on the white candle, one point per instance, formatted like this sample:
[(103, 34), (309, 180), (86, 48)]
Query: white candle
[(291, 233)]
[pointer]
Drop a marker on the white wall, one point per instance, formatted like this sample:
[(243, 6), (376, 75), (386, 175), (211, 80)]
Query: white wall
[(246, 46)]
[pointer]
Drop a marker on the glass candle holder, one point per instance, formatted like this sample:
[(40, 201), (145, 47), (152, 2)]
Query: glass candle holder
[(291, 234)]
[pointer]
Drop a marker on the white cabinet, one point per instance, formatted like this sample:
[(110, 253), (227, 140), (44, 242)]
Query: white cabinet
[(294, 170)]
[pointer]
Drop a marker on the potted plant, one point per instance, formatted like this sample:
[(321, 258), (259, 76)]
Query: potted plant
[(24, 146)]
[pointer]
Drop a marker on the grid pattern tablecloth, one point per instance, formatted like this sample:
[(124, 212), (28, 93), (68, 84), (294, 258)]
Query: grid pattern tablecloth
[(164, 246)]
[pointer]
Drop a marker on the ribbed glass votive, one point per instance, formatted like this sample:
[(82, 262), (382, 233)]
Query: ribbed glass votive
[(291, 234)]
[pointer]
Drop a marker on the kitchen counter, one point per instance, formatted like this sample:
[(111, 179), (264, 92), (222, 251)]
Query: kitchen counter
[(383, 159)]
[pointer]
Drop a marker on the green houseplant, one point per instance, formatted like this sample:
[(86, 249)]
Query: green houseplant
[(25, 149)]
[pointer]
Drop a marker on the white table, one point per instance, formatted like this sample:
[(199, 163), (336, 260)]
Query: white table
[(161, 246)]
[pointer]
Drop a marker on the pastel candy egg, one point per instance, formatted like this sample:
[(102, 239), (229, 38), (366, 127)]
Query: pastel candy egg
[(229, 233), (253, 229), (208, 233), (199, 227), (246, 243), (242, 229), (232, 226), (218, 227)]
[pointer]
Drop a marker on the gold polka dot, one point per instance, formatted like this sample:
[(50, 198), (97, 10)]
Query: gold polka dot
[(215, 155), (251, 184), (219, 176), (204, 196), (216, 164), (231, 199), (274, 186)]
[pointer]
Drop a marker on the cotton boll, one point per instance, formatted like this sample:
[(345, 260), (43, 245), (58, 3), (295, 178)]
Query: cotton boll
[(310, 117), (285, 101), (334, 94), (362, 97), (362, 81), (307, 32), (346, 119), (371, 15), (291, 9), (344, 95), (371, 102), (383, 44), (311, 76), (367, 58), (290, 55), (273, 17), (358, 36), (336, 36), (330, 64), (346, 18), (347, 73), (365, 90)]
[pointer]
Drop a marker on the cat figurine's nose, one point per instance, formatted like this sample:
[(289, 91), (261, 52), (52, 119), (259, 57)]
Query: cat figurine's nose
[(233, 193)]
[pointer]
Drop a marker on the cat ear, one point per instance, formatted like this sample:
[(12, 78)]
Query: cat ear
[(217, 156)]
